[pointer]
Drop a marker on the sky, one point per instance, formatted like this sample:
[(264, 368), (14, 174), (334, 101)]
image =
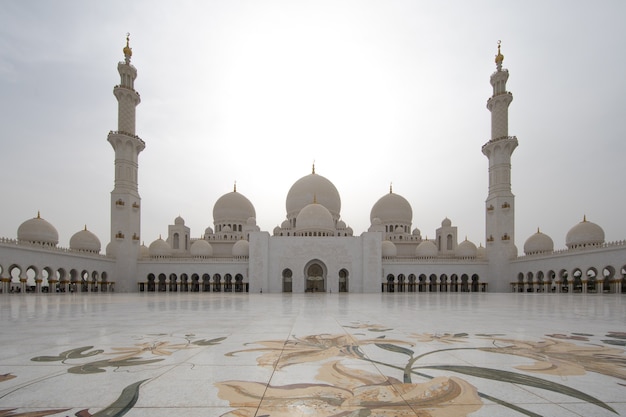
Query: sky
[(373, 92)]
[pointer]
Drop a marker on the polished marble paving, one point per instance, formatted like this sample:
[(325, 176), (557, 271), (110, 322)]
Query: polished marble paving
[(278, 355)]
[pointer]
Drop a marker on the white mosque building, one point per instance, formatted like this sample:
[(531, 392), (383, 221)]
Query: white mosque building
[(313, 250)]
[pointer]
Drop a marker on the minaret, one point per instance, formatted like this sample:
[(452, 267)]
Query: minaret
[(125, 200), (500, 204)]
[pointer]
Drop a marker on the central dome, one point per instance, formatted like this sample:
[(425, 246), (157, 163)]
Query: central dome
[(315, 218), (392, 208), (233, 207), (309, 188)]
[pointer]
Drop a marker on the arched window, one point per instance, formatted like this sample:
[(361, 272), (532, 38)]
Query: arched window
[(176, 242), (449, 242)]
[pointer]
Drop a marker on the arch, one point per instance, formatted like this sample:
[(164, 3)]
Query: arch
[(412, 279), (315, 276), (239, 283), (464, 283), (401, 283), (564, 278), (608, 275), (592, 274), (390, 283), (173, 283), (184, 282), (421, 283), (449, 242), (432, 283), (475, 283), (162, 285), (206, 283), (577, 275), (228, 283), (287, 280), (151, 282), (217, 283), (176, 241), (443, 283), (344, 280), (195, 283), (454, 283)]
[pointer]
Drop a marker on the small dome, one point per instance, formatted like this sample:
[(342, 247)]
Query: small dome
[(227, 229), (241, 249), (179, 221), (341, 224), (389, 249), (85, 241), (208, 231), (144, 252), (38, 230), (392, 208), (111, 250), (277, 231), (349, 231), (446, 222), (315, 218), (417, 232), (307, 188), (376, 221), (159, 249), (481, 252), (251, 221), (584, 234), (285, 224), (233, 207), (538, 243), (426, 249), (466, 249), (399, 230), (201, 249)]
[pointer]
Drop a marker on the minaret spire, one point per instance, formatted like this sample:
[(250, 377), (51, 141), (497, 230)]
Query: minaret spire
[(500, 219), (125, 199)]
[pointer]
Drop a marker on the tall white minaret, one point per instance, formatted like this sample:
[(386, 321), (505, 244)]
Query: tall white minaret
[(125, 200), (500, 204)]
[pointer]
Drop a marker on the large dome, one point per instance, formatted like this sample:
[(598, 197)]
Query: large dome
[(241, 249), (85, 241), (308, 188), (38, 230), (466, 249), (392, 208), (159, 249), (538, 243), (233, 207), (201, 249), (315, 218), (389, 250), (584, 234)]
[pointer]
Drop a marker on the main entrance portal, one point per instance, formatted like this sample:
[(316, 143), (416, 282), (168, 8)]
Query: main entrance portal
[(315, 274)]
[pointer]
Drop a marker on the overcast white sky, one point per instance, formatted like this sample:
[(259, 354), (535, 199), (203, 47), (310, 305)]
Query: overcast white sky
[(254, 91)]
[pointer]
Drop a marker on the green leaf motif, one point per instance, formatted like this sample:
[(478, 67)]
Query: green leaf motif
[(204, 342), (97, 366), (76, 353), (124, 403), (394, 348), (515, 378)]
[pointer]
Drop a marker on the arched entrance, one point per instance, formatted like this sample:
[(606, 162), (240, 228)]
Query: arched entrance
[(343, 281), (287, 276), (315, 276)]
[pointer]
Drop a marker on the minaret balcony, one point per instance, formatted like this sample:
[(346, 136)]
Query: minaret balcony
[(135, 237), (506, 205), (120, 203), (119, 236), (136, 205)]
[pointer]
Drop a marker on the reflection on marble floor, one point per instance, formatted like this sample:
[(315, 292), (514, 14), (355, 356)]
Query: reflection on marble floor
[(275, 355)]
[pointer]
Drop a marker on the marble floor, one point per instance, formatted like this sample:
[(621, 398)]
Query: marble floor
[(278, 355)]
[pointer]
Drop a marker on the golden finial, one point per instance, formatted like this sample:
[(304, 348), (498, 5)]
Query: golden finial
[(499, 57), (313, 167), (128, 52), (584, 218), (85, 228), (538, 231), (391, 188), (235, 187), (38, 214), (160, 238)]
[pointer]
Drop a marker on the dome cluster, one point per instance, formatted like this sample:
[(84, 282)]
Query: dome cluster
[(585, 234), (313, 209)]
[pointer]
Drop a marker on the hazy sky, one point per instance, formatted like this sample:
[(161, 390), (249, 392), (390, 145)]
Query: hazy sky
[(375, 92)]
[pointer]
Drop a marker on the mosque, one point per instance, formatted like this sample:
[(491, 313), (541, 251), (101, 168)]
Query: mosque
[(313, 250)]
